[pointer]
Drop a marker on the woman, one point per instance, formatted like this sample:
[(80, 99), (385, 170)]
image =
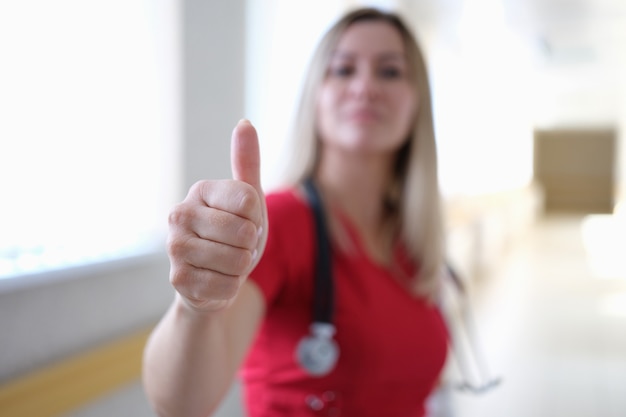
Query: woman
[(245, 291)]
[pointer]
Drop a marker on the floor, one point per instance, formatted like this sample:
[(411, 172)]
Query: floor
[(551, 321)]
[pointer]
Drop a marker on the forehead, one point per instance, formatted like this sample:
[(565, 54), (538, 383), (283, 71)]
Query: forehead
[(370, 38)]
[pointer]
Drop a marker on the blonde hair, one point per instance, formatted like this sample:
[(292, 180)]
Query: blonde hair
[(413, 197)]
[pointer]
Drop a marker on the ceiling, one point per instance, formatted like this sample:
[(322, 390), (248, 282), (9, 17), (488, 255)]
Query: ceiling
[(573, 32), (579, 49)]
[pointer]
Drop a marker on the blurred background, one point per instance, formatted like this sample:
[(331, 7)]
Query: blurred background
[(110, 110)]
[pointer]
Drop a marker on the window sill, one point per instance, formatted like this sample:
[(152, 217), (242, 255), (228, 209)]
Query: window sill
[(45, 276)]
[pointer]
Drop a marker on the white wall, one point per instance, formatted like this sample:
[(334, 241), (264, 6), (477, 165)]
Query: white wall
[(213, 74), (72, 310)]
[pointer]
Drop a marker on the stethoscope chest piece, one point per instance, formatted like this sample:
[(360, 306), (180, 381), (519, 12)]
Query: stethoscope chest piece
[(317, 353)]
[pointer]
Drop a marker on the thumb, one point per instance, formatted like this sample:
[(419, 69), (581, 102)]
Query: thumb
[(245, 161), (245, 158)]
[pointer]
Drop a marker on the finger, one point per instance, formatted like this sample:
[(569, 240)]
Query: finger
[(224, 227), (230, 196), (246, 167), (202, 286), (208, 255), (245, 155)]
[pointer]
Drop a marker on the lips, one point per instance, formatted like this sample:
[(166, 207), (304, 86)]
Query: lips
[(364, 115)]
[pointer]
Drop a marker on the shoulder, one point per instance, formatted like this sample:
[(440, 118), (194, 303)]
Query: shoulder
[(290, 219), (285, 197), (286, 205), (288, 254)]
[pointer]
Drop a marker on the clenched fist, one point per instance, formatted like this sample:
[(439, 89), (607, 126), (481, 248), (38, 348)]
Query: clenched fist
[(218, 233)]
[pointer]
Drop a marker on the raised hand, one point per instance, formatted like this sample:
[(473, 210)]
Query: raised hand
[(218, 233)]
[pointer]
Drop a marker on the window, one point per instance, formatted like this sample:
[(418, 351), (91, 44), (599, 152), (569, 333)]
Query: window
[(89, 131)]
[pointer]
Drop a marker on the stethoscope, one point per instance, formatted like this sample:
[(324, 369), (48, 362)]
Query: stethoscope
[(317, 353)]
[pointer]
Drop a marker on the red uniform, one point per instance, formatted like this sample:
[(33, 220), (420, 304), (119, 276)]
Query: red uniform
[(392, 344)]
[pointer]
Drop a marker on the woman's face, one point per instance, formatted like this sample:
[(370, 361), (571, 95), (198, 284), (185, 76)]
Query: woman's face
[(367, 102)]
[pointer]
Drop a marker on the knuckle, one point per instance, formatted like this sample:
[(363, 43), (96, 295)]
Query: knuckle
[(247, 234), (247, 200), (244, 261), (177, 247), (180, 215), (179, 277), (198, 188), (203, 285)]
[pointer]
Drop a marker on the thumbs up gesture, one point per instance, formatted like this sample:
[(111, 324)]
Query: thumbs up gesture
[(218, 233)]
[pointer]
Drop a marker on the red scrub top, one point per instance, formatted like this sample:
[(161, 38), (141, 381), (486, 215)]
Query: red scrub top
[(392, 344)]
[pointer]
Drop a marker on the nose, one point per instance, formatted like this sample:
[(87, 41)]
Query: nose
[(365, 85)]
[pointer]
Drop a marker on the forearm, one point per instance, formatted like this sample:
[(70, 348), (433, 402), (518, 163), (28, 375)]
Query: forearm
[(216, 237), (188, 363)]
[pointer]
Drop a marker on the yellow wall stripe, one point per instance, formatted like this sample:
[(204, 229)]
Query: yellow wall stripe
[(74, 382)]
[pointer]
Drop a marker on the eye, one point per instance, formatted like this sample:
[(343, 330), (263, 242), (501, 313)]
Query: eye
[(390, 72), (341, 70)]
